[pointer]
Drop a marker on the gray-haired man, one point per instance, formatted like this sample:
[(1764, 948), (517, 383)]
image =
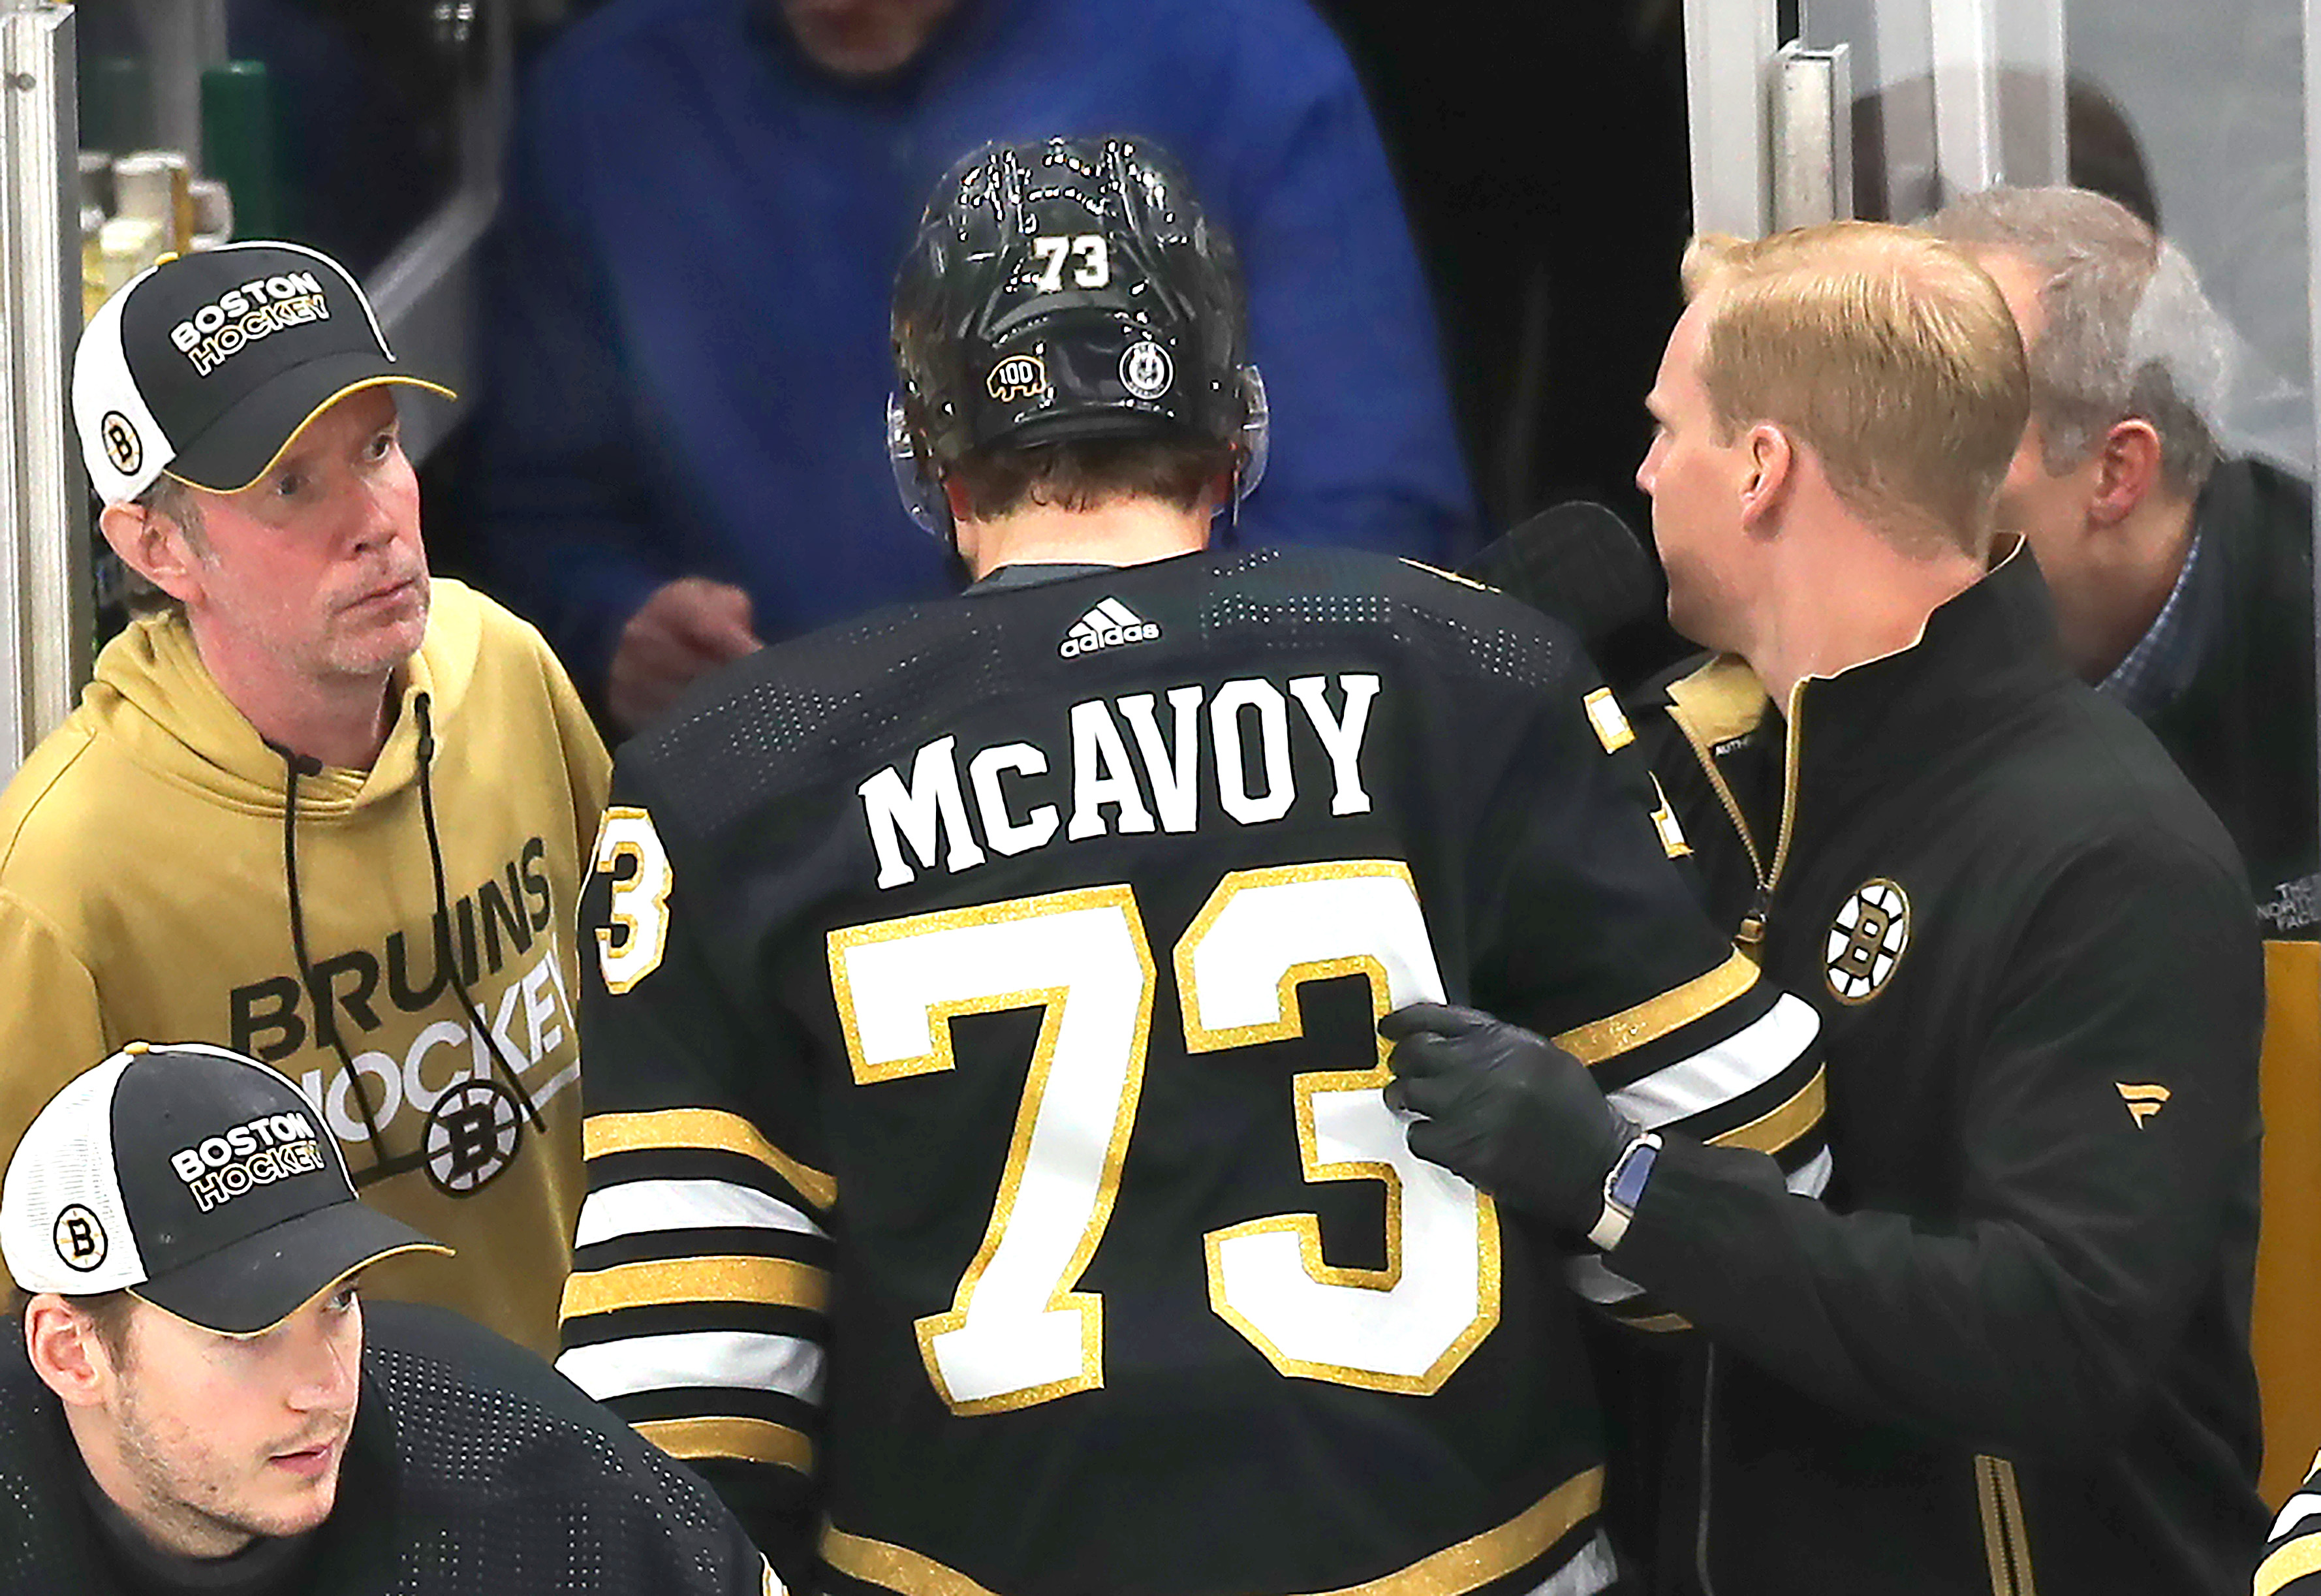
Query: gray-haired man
[(2182, 579)]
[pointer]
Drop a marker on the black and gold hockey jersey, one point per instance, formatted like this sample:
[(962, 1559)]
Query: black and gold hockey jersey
[(984, 1103), (2292, 1556)]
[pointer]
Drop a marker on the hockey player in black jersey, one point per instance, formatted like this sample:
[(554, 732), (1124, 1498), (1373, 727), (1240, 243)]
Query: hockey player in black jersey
[(990, 1182), (194, 1400)]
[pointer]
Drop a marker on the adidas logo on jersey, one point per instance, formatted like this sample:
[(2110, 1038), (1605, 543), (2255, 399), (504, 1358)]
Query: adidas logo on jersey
[(1109, 625)]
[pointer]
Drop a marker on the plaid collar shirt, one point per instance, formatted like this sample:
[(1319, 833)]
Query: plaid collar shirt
[(2165, 660)]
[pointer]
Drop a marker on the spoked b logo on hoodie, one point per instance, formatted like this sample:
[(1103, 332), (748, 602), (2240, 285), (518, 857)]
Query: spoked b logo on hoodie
[(451, 1075)]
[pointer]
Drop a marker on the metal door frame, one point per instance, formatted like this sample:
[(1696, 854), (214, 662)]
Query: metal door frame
[(1996, 75), (45, 609)]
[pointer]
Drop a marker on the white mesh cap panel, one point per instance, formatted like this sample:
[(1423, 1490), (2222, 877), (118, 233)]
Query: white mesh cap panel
[(102, 388), (62, 1225)]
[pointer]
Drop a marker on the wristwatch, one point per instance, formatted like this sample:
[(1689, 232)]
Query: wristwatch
[(1624, 1189)]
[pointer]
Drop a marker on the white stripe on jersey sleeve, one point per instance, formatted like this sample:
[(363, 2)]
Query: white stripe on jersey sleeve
[(1591, 1569), (1809, 1179), (639, 1207), (749, 1360), (1593, 1278), (2297, 1509), (1731, 1068)]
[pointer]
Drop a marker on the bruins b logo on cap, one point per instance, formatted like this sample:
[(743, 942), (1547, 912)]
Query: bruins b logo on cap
[(1867, 940), (79, 1236), (121, 444)]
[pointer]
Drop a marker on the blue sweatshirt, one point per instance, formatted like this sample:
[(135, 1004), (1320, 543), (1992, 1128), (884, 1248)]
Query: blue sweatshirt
[(685, 330)]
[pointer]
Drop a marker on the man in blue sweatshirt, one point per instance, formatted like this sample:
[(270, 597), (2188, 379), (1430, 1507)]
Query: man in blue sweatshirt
[(685, 337)]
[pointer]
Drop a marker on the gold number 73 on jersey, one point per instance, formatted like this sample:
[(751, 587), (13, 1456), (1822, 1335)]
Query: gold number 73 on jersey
[(1020, 1330)]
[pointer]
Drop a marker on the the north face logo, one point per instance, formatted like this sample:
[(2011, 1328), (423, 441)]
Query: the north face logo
[(1109, 625)]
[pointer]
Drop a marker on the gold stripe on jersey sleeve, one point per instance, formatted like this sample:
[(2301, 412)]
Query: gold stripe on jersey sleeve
[(1659, 1324), (1496, 1553), (1771, 1131), (893, 1567), (752, 1440), (2294, 1561), (1453, 1570), (720, 1278), (665, 1130), (1448, 576), (1656, 1016)]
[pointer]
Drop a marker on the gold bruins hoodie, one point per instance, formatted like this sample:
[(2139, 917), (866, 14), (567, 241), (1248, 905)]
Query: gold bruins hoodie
[(399, 941)]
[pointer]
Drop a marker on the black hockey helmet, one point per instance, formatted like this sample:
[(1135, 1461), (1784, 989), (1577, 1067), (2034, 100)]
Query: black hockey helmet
[(1064, 290)]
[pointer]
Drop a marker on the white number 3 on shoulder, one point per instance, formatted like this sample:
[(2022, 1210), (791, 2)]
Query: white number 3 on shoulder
[(630, 947)]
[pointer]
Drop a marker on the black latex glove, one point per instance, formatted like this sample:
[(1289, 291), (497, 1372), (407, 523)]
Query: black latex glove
[(1509, 1110)]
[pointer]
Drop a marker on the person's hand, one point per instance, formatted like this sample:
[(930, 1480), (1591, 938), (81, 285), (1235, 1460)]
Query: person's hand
[(1509, 1110), (685, 630)]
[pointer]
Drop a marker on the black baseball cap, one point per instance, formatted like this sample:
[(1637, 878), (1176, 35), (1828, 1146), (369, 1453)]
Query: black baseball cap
[(198, 1178), (208, 365)]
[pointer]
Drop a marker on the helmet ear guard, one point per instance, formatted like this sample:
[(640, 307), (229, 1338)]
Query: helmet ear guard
[(920, 487), (915, 482), (1256, 436)]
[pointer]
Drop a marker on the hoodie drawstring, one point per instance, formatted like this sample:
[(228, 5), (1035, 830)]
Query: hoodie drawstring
[(326, 1023), (318, 995), (424, 710)]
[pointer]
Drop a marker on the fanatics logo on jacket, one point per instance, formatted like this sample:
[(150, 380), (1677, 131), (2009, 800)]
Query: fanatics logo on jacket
[(1867, 940), (1110, 623), (2143, 1101)]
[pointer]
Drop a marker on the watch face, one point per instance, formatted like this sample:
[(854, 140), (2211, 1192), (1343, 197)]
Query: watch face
[(1635, 1167)]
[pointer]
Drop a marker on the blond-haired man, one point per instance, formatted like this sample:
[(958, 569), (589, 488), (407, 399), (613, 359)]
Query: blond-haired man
[(2009, 1351)]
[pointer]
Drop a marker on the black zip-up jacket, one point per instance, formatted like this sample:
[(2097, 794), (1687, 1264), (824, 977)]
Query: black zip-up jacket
[(2009, 1351), (2243, 728)]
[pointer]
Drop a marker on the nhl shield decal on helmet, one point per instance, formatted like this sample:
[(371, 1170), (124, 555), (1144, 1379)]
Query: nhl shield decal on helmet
[(1145, 370), (1867, 941)]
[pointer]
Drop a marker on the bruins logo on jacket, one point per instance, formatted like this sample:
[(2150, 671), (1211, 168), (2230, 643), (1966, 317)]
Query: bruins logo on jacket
[(1867, 940)]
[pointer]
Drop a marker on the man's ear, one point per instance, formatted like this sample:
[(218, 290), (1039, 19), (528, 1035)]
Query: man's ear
[(962, 532), (1769, 472), (2127, 470), (955, 497), (155, 547), (65, 1353)]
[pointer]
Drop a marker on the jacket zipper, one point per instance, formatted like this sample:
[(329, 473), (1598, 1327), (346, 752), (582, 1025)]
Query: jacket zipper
[(2007, 1546), (1751, 935), (1708, 1418), (1749, 938)]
